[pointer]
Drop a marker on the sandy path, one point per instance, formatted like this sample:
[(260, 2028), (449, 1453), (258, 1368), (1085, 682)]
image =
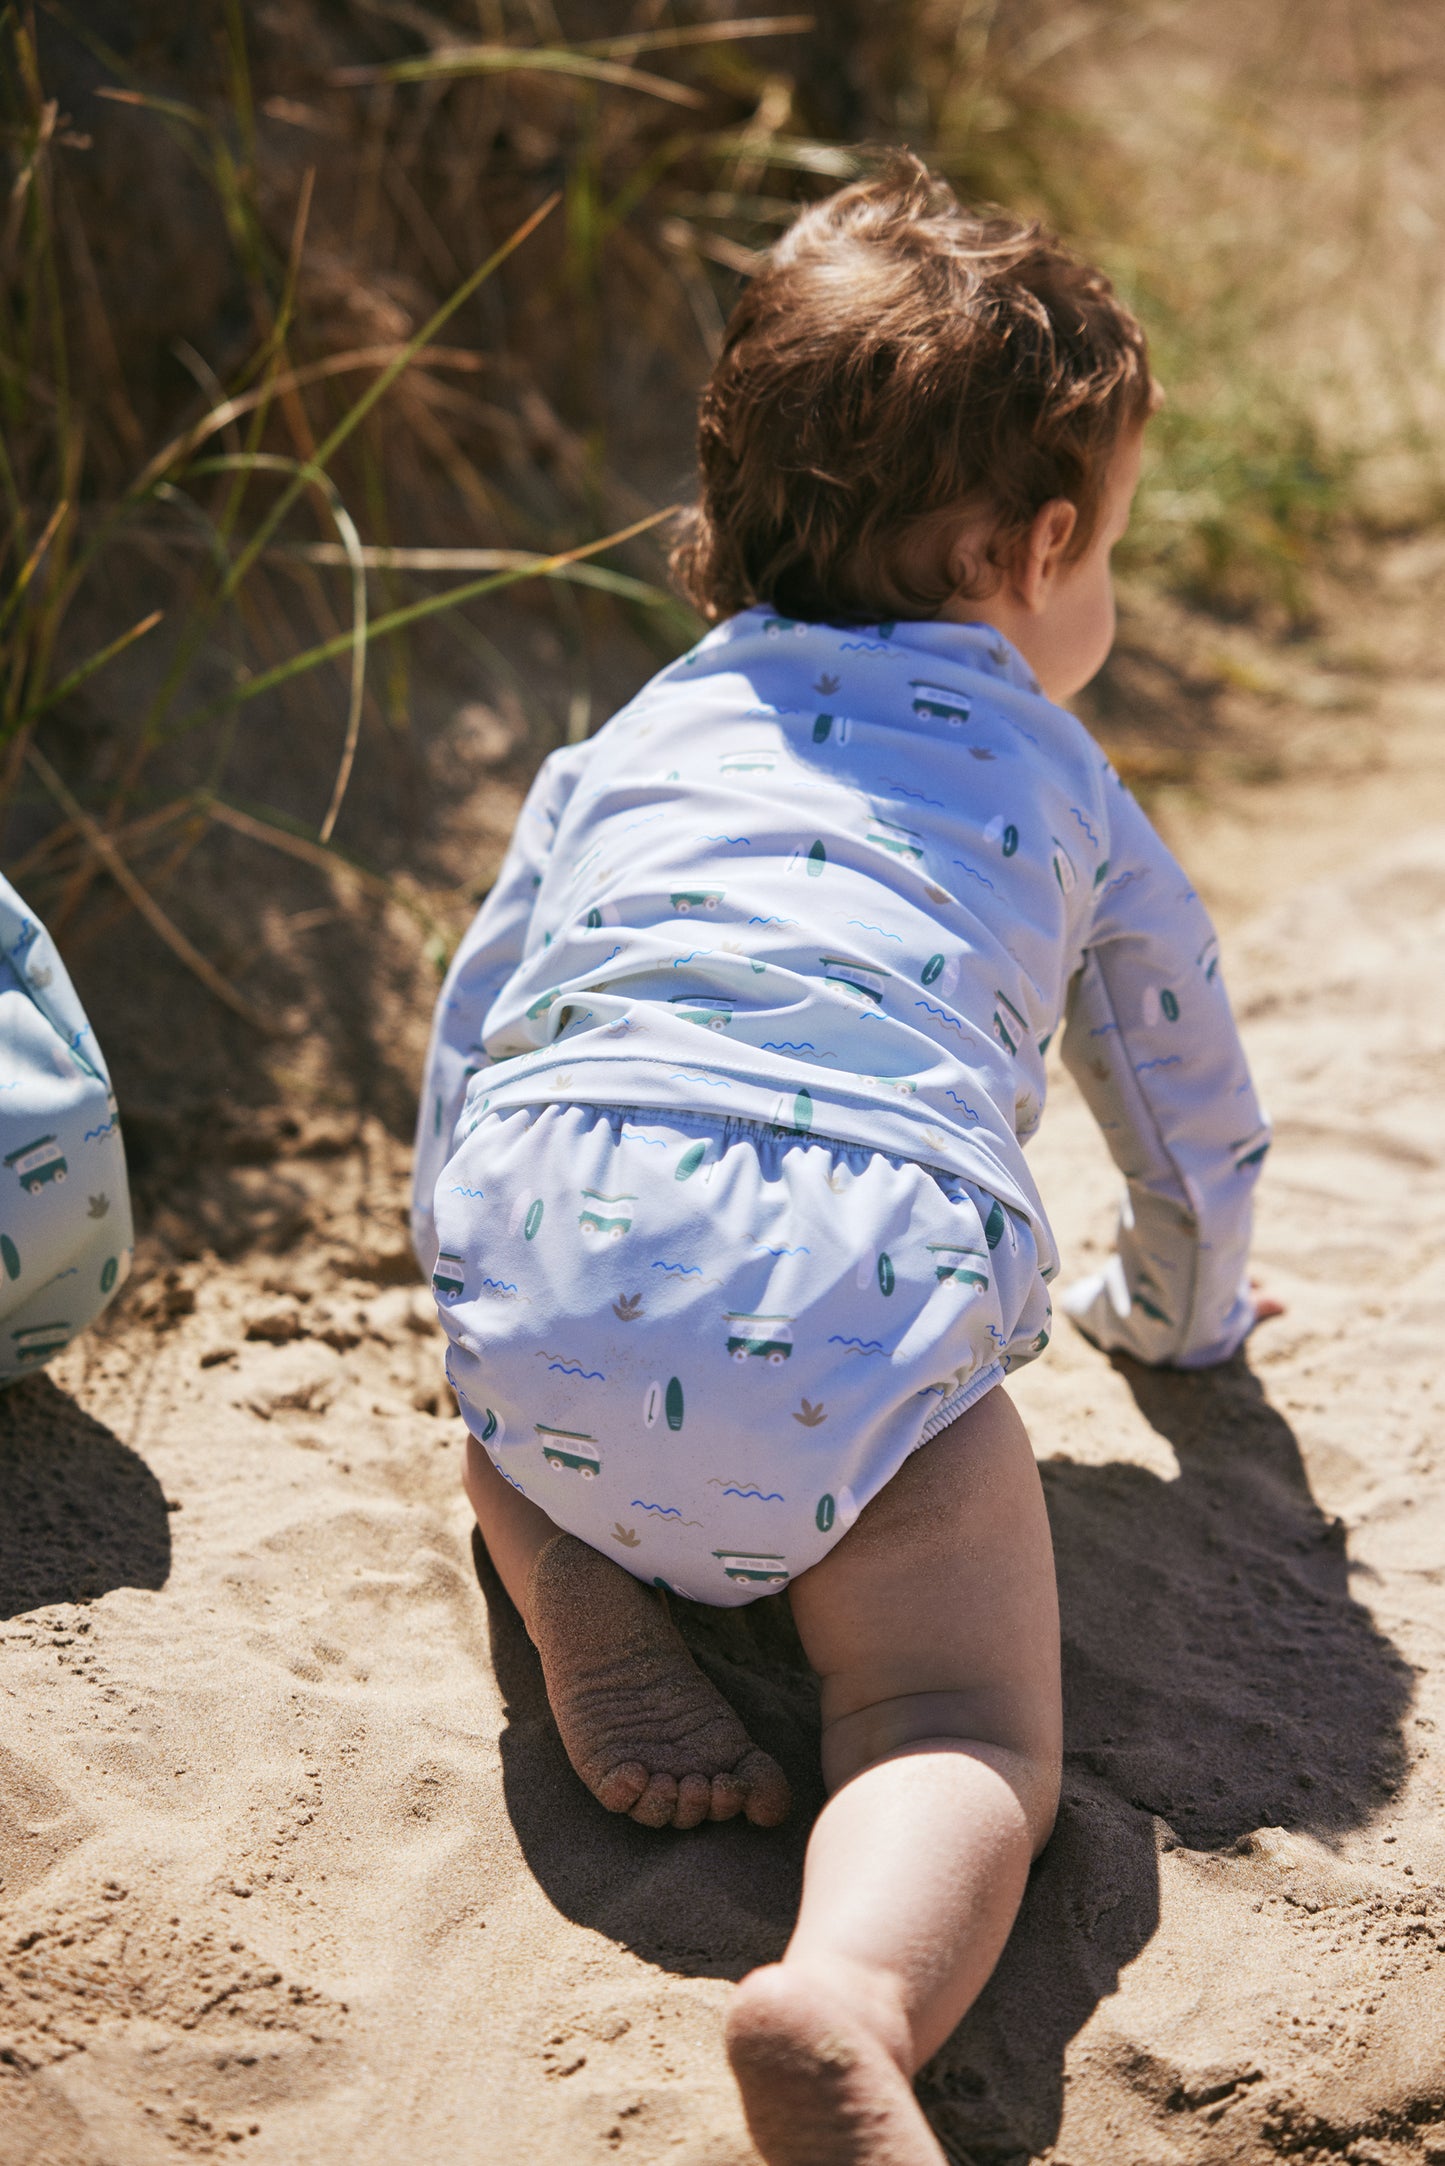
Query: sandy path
[(271, 1889)]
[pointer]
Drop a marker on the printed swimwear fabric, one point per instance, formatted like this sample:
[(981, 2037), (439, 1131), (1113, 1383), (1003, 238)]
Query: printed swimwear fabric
[(847, 882), (702, 1346), (65, 1225)]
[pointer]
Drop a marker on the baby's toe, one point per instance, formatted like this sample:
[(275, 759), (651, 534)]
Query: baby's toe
[(768, 1797), (658, 1802), (694, 1799), (729, 1796), (620, 1790)]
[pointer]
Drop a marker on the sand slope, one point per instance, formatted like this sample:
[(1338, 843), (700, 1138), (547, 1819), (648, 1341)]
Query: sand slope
[(293, 1868)]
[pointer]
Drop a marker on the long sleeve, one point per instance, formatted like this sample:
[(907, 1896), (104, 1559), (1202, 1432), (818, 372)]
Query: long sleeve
[(491, 948), (1151, 1041)]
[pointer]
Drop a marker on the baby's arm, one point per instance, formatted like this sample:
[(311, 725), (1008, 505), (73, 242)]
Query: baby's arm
[(491, 948), (1151, 1041)]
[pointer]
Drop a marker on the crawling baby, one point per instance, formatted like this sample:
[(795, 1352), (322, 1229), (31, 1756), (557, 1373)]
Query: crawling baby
[(720, 1176)]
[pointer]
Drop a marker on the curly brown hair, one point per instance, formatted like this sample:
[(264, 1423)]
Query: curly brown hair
[(900, 361)]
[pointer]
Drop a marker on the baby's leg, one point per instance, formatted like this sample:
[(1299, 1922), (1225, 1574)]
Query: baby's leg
[(642, 1726), (934, 1627)]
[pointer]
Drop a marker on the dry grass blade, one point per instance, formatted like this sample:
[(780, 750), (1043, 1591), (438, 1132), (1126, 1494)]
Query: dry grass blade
[(675, 41), (462, 60), (379, 557), (32, 563), (199, 965), (83, 670), (285, 839), (312, 372), (413, 612), (355, 559), (357, 413)]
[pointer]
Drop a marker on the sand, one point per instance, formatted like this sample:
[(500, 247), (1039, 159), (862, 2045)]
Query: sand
[(292, 1867)]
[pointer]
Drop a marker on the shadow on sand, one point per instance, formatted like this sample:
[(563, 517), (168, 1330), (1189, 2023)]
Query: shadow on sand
[(81, 1512), (1218, 1676)]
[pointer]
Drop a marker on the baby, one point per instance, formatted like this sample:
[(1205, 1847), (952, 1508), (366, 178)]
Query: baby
[(720, 1174)]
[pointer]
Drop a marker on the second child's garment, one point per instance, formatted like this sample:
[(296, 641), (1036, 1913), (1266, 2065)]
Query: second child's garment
[(844, 884)]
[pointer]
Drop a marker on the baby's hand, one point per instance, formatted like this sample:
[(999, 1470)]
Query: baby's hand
[(1265, 1305)]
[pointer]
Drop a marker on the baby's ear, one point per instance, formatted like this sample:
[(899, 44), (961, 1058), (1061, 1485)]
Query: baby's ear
[(1044, 549)]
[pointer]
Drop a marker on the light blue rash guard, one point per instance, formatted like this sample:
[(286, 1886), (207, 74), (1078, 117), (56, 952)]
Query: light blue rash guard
[(849, 882)]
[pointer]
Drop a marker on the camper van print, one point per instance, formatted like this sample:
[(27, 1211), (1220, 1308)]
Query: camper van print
[(865, 980), (904, 842), (748, 1569), (447, 1279), (774, 627), (704, 1009), (936, 703), (696, 898), (569, 1451), (1009, 1027), (37, 1342), (36, 1163), (765, 1338), (610, 1216), (957, 1266)]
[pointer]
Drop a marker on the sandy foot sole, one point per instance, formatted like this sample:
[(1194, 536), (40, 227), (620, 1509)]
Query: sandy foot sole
[(642, 1726), (819, 2088)]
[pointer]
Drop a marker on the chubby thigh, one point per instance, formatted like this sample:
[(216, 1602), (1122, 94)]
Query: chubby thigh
[(704, 1347)]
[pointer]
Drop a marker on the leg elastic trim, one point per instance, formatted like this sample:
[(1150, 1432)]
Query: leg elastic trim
[(972, 1392)]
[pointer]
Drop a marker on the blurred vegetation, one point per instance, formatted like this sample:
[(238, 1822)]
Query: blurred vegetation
[(326, 330)]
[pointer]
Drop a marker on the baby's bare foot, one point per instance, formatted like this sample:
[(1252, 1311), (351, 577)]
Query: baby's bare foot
[(642, 1726), (819, 2087)]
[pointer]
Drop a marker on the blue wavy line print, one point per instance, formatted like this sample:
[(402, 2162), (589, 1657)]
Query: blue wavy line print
[(802, 1249), (1085, 825), (573, 1368), (996, 1335), (500, 1286), (901, 789), (690, 957), (1105, 1030), (713, 1082), (689, 1271), (633, 825), (635, 1135), (971, 1111), (1167, 1060), (663, 1511), (864, 1346), (772, 921), (506, 1477), (475, 1193), (90, 1133), (974, 874), (757, 1496), (942, 1014), (789, 1045), (864, 646), (1124, 880), (745, 841), (864, 926)]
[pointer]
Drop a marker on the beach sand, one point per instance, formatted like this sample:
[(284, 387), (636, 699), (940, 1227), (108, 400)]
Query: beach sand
[(292, 1867)]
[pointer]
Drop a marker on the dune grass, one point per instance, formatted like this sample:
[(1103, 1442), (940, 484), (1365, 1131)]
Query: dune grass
[(574, 211)]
